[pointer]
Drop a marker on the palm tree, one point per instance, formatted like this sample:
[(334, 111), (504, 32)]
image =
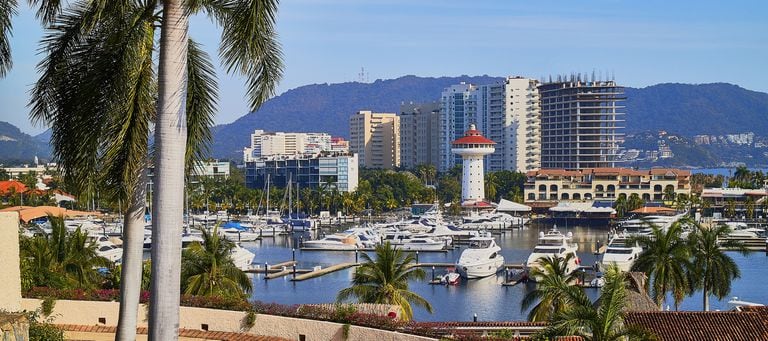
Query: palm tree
[(664, 261), (207, 269), (491, 184), (126, 30), (46, 11), (385, 280), (63, 260), (601, 322), (712, 269), (552, 283)]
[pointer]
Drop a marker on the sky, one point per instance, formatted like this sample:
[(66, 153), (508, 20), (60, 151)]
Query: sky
[(640, 43)]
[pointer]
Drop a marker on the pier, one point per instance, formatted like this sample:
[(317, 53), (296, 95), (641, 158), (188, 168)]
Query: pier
[(324, 271)]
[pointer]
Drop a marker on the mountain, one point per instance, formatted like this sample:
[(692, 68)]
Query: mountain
[(327, 107), (18, 147), (686, 109)]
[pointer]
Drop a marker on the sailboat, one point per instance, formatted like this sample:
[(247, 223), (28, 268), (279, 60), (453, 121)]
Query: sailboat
[(297, 223)]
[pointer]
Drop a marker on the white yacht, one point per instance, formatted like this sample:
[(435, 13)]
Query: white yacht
[(492, 219), (422, 244), (643, 225), (481, 259), (338, 241), (554, 244), (740, 230), (238, 232), (397, 238), (107, 249), (241, 257), (620, 252)]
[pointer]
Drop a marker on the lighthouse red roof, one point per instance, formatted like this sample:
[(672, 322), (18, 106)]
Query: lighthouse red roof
[(473, 136)]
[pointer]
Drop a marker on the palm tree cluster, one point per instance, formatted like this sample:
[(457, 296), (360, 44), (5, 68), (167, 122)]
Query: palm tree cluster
[(63, 260), (601, 321), (680, 266), (384, 280), (552, 283)]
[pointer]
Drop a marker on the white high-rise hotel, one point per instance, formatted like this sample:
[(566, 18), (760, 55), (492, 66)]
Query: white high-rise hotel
[(506, 112)]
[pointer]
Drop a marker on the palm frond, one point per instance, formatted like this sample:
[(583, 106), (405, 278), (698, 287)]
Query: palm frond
[(249, 44), (201, 102), (7, 11)]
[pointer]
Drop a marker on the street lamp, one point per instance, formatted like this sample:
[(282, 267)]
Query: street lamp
[(417, 257)]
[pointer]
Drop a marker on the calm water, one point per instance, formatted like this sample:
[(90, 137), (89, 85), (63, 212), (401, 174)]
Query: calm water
[(486, 297)]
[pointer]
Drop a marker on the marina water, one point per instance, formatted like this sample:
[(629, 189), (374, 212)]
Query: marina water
[(485, 297)]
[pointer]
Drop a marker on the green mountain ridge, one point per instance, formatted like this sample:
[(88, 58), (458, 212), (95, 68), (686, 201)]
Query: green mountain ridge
[(18, 147)]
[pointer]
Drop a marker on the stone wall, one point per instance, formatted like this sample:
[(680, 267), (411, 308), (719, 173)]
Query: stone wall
[(14, 327), (10, 276), (90, 313)]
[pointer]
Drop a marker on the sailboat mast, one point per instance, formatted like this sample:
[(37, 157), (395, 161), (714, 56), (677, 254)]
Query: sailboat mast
[(290, 201), (266, 213)]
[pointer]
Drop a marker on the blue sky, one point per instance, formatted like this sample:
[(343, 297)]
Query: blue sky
[(640, 42)]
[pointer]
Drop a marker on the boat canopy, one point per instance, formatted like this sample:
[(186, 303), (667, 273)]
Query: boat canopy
[(510, 206)]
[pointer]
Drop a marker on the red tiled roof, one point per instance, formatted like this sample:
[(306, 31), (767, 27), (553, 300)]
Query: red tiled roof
[(200, 334), (5, 187), (700, 325), (473, 136)]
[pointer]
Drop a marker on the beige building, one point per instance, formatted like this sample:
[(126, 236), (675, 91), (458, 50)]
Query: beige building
[(375, 137), (605, 184), (419, 134)]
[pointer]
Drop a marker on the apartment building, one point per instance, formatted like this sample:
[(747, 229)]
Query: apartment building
[(375, 138), (281, 143), (605, 184), (419, 134), (454, 121), (581, 122)]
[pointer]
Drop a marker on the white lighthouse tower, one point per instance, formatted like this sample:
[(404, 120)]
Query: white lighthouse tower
[(472, 148)]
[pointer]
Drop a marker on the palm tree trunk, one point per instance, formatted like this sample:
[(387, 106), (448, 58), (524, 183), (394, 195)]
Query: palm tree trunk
[(706, 298), (130, 278), (170, 144)]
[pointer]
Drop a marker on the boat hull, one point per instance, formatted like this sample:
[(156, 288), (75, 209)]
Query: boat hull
[(480, 270), (422, 247)]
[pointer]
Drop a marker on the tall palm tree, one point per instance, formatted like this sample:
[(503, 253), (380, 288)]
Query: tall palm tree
[(385, 280), (665, 261), (601, 322), (124, 31), (552, 284), (207, 269), (712, 269)]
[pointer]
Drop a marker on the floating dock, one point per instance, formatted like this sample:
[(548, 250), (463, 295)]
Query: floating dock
[(324, 271)]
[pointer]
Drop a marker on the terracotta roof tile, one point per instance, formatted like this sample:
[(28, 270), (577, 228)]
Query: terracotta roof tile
[(201, 334), (699, 325)]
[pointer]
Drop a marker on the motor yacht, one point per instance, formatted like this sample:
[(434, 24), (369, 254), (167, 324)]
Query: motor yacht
[(481, 259), (241, 257), (337, 241), (107, 249), (643, 225), (238, 232), (620, 252), (397, 238), (740, 230), (422, 244), (554, 244)]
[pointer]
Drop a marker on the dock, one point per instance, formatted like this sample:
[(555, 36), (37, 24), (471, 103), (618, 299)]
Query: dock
[(367, 250), (324, 271), (271, 269)]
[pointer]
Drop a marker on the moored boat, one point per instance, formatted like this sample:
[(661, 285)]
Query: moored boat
[(481, 259)]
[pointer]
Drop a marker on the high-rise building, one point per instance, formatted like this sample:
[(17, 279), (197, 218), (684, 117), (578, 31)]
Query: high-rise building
[(419, 134), (580, 123), (375, 137), (506, 112), (453, 121)]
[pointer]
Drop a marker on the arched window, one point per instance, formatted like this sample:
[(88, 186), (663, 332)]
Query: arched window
[(587, 196), (531, 196), (646, 197), (576, 196), (542, 188), (553, 188), (611, 188), (657, 188), (599, 188), (564, 196)]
